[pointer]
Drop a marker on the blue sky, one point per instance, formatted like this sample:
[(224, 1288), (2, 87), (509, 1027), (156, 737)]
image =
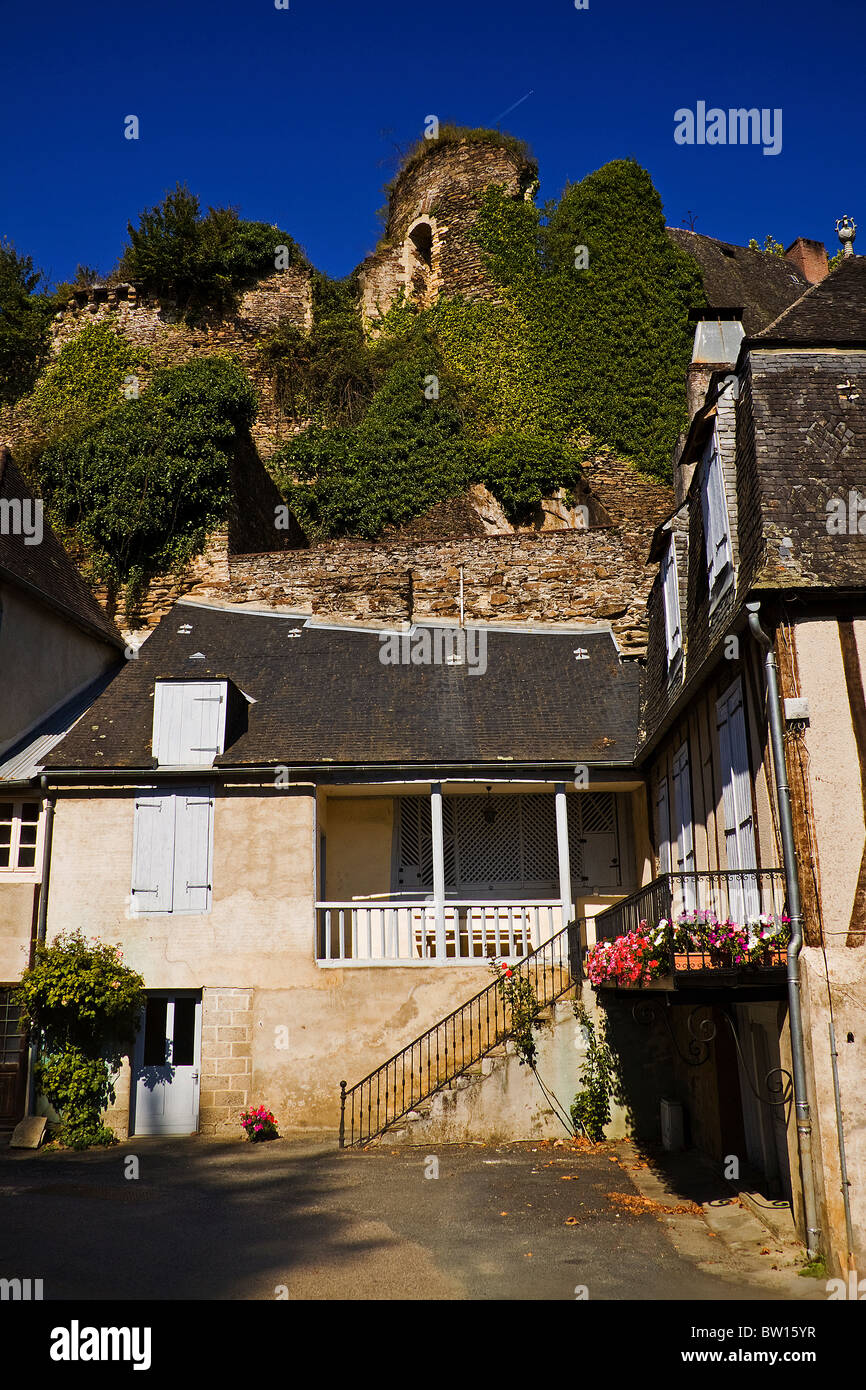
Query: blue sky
[(294, 115)]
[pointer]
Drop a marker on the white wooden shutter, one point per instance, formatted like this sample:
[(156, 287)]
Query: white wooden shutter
[(192, 850), (153, 852), (188, 722), (671, 599), (737, 801), (663, 826), (685, 855), (715, 510)]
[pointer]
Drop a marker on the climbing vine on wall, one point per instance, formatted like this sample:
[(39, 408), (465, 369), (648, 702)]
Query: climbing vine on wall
[(580, 351), (84, 380), (141, 487)]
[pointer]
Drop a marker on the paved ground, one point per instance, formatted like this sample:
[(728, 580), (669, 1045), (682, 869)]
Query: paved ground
[(218, 1220)]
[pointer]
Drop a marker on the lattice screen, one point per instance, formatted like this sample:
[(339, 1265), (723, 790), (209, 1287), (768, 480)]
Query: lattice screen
[(516, 852)]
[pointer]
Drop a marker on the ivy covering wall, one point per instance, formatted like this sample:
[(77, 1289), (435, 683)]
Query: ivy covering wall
[(585, 347)]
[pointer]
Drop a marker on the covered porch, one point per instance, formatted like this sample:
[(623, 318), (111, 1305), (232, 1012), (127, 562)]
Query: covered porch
[(458, 871)]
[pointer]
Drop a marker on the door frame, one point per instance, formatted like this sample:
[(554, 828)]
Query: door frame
[(138, 1054)]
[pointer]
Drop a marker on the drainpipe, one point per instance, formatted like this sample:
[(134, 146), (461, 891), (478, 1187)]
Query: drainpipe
[(795, 946), (41, 922)]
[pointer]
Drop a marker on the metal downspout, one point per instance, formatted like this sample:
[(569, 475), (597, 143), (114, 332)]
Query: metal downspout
[(41, 921), (798, 1051)]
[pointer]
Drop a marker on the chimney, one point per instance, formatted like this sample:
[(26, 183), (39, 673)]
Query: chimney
[(810, 258)]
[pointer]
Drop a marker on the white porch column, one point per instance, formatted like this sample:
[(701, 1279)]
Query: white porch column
[(438, 864), (563, 854)]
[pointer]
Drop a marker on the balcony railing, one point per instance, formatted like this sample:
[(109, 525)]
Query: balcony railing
[(689, 953), (400, 933), (738, 894)]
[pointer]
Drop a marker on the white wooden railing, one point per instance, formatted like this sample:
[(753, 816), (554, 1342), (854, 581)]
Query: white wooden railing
[(391, 933)]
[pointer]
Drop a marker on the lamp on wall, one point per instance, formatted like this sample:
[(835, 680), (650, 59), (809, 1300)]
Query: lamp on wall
[(489, 811)]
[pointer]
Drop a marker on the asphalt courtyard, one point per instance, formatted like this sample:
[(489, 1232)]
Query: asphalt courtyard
[(300, 1220)]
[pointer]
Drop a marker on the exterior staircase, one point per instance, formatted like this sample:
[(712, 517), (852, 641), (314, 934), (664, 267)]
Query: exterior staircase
[(466, 1046)]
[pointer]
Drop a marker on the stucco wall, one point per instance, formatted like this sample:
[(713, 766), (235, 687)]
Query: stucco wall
[(834, 769), (44, 659), (16, 918), (310, 1027), (359, 839)]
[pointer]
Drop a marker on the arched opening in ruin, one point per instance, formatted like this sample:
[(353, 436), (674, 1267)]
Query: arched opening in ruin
[(421, 250), (421, 237)]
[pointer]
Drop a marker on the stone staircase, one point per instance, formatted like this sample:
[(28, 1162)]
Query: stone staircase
[(497, 1098)]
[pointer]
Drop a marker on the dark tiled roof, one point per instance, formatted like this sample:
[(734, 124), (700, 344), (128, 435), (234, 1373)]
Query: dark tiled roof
[(735, 277), (833, 311), (324, 697), (46, 569), (808, 427)]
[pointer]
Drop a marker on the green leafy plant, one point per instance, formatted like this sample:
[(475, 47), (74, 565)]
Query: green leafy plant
[(84, 380), (259, 1123), (590, 1109), (523, 1009), (771, 246), (200, 261), (84, 1004), (141, 488)]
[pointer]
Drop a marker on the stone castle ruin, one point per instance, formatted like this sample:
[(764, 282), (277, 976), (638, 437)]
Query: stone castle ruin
[(582, 561)]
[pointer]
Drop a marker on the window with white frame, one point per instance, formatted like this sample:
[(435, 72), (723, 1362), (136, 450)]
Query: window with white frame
[(671, 601), (19, 837), (717, 530), (172, 850), (189, 722)]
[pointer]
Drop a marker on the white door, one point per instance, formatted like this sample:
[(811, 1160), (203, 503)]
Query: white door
[(168, 1065), (685, 847), (743, 894)]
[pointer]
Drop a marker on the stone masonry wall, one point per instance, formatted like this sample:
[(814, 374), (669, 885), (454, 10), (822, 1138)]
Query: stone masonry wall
[(155, 326), (563, 576), (448, 187), (226, 1052)]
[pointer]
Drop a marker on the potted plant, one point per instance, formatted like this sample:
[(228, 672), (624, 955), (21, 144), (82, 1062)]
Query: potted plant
[(259, 1124)]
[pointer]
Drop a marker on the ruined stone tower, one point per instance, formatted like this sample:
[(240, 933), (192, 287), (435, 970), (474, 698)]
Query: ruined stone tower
[(427, 248)]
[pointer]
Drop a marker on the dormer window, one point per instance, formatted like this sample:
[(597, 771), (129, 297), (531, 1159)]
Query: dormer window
[(189, 722), (671, 602), (717, 530)]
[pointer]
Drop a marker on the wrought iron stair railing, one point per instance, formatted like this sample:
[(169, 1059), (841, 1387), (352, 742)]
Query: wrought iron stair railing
[(454, 1044)]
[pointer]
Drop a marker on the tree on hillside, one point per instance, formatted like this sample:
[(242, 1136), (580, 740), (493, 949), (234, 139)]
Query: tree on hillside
[(24, 318)]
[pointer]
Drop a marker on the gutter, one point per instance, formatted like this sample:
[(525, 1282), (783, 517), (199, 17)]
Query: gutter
[(423, 772), (795, 946), (41, 925)]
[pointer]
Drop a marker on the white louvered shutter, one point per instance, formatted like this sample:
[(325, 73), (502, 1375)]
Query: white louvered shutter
[(188, 722), (715, 510), (683, 822), (737, 801), (663, 826), (671, 598), (153, 852), (192, 850)]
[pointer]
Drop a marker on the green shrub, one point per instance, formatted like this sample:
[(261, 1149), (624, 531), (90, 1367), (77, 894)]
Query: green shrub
[(200, 262), (84, 1005), (142, 487)]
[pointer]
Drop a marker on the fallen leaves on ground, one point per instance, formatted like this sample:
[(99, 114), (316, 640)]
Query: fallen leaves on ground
[(634, 1203)]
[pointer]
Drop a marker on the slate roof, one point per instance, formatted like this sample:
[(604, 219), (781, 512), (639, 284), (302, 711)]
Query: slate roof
[(25, 759), (831, 312), (45, 569), (763, 286), (324, 697)]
